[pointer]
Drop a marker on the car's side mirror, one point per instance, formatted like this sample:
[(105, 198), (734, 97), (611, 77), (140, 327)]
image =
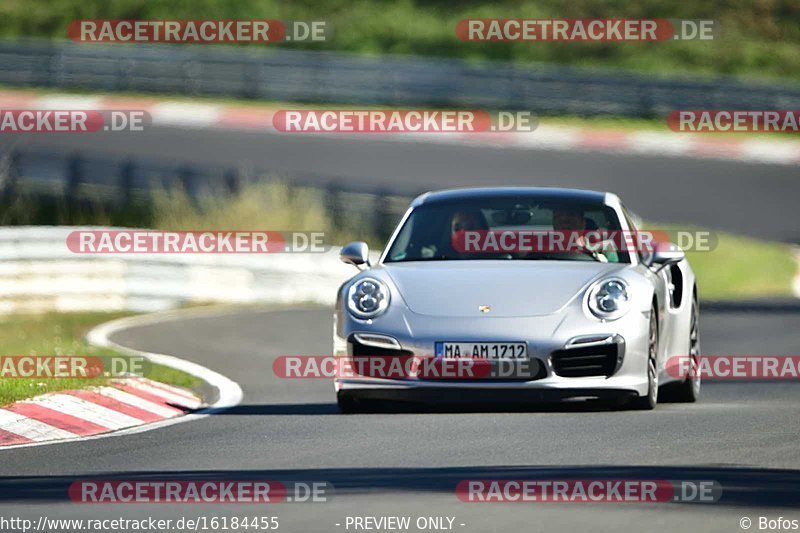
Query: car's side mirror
[(356, 254), (664, 254)]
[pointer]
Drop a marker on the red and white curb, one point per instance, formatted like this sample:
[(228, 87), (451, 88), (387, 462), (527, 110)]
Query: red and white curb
[(563, 138), (126, 406), (76, 413)]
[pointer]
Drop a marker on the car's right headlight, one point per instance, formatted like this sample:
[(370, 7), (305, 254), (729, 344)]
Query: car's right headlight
[(368, 298), (609, 298)]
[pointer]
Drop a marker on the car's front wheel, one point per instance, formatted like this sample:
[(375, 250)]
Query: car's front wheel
[(688, 391), (650, 400)]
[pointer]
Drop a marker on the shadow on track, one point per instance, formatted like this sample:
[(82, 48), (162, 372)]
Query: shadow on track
[(411, 408), (740, 486)]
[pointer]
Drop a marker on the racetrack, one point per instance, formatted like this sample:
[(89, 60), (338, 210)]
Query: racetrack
[(742, 197), (742, 435)]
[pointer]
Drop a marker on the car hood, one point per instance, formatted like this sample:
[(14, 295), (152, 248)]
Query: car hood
[(511, 288)]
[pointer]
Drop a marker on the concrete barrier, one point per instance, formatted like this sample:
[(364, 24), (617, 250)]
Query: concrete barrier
[(38, 273)]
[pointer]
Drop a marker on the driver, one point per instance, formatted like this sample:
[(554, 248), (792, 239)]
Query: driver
[(467, 221), (570, 219), (461, 220)]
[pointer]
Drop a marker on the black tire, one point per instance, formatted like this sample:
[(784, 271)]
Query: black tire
[(649, 401), (347, 404), (688, 391)]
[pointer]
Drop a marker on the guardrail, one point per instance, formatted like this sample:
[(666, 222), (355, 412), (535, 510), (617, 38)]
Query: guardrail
[(39, 273), (328, 77)]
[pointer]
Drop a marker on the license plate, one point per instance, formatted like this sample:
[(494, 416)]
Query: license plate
[(482, 350)]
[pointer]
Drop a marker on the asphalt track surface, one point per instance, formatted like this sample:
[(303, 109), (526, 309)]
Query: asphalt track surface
[(746, 198), (743, 435)]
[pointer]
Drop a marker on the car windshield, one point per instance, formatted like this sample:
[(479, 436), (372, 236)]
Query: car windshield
[(497, 228)]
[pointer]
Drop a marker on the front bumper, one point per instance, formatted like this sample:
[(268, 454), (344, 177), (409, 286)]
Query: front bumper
[(544, 336), (482, 396)]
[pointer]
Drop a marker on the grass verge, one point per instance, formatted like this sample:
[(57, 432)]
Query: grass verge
[(741, 267), (264, 205), (63, 334)]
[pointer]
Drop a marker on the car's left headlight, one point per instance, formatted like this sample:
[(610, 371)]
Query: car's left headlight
[(368, 298), (609, 299)]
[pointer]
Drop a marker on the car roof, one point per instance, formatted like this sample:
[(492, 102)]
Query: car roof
[(535, 193)]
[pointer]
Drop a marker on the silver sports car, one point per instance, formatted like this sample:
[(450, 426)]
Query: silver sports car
[(532, 293)]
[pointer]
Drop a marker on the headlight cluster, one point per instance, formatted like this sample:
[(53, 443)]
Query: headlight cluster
[(367, 298), (609, 299)]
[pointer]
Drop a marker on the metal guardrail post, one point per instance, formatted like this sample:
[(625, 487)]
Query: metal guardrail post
[(74, 177), (233, 182), (186, 176), (333, 206), (126, 173), (10, 187), (383, 215)]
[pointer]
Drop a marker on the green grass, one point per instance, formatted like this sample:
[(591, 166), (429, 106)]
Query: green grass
[(62, 334), (757, 38), (741, 267), (266, 205)]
